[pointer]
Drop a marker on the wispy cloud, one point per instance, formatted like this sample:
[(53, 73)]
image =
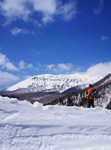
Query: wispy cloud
[(46, 9), (35, 52), (23, 65), (13, 10), (59, 68), (104, 37), (6, 78), (28, 76), (68, 10), (100, 69), (5, 63), (30, 66), (17, 31), (99, 8)]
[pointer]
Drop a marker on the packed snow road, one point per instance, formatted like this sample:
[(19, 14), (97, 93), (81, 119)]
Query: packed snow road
[(24, 126)]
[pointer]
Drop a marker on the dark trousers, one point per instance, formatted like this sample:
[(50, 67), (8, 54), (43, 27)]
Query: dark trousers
[(91, 103)]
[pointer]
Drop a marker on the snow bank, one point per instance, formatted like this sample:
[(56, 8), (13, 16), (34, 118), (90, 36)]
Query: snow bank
[(24, 126)]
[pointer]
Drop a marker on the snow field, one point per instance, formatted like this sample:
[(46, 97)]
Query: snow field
[(24, 126)]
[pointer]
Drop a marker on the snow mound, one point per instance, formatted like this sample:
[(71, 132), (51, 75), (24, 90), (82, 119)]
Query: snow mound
[(24, 126)]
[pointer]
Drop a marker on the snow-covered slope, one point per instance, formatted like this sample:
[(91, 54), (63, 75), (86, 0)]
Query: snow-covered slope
[(24, 126), (58, 83)]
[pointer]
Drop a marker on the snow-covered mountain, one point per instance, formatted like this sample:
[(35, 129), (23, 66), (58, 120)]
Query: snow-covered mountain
[(73, 88), (53, 83)]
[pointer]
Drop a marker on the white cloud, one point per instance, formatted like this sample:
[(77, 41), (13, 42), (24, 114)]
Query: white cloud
[(104, 37), (46, 9), (16, 31), (100, 69), (23, 65), (5, 63), (10, 66), (59, 68), (15, 9), (6, 77), (64, 67), (35, 52), (98, 10), (50, 66), (28, 76), (30, 66), (68, 10)]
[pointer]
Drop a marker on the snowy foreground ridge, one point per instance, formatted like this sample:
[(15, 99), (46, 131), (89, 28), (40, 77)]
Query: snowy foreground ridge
[(24, 126)]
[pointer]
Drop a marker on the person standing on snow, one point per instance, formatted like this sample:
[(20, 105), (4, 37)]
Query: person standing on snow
[(90, 97)]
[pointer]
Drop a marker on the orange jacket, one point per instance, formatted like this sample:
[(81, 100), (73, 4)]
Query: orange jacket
[(89, 93)]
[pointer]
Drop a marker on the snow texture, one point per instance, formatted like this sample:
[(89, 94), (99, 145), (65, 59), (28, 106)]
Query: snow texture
[(24, 126)]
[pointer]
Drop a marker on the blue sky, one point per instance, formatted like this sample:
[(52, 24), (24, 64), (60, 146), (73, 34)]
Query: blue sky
[(54, 36)]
